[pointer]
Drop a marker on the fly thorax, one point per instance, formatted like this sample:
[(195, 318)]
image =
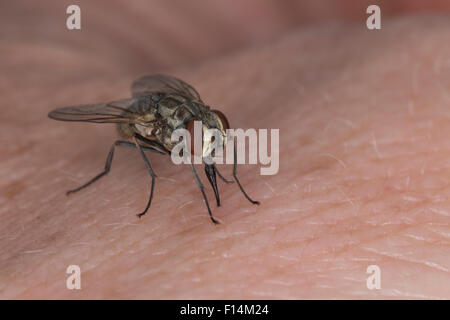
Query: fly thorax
[(147, 130)]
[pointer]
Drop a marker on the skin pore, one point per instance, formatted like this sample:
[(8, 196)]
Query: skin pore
[(364, 178)]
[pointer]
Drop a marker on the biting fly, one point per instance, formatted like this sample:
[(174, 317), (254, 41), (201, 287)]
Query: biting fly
[(159, 105)]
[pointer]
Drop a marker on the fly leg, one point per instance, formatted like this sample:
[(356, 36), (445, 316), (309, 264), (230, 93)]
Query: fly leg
[(104, 173), (202, 189), (108, 163), (152, 174), (133, 146), (236, 178), (222, 177)]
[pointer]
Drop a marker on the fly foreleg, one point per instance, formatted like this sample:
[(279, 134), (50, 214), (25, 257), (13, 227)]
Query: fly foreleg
[(236, 178)]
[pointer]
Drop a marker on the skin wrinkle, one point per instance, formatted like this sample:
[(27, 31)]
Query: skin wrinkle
[(355, 215)]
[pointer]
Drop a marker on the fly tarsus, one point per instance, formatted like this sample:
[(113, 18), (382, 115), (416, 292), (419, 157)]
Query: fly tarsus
[(152, 174), (245, 193), (237, 180), (104, 173), (222, 177)]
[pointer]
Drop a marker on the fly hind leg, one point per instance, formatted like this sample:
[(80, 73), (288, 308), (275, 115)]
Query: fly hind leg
[(104, 173), (109, 159), (108, 163)]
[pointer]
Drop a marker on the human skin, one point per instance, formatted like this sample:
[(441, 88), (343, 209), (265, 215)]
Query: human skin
[(363, 179)]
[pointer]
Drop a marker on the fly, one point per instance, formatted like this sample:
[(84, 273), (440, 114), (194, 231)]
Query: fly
[(159, 105)]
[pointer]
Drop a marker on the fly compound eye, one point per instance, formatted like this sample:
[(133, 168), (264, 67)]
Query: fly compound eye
[(223, 119), (190, 128)]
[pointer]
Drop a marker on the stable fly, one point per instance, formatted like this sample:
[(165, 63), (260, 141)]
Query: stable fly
[(159, 105)]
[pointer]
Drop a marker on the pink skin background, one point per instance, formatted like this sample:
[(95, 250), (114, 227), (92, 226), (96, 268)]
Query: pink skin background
[(364, 171)]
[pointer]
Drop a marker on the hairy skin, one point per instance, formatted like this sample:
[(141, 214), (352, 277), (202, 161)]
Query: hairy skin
[(363, 180)]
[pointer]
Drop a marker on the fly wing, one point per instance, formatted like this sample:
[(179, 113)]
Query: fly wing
[(165, 84), (110, 112)]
